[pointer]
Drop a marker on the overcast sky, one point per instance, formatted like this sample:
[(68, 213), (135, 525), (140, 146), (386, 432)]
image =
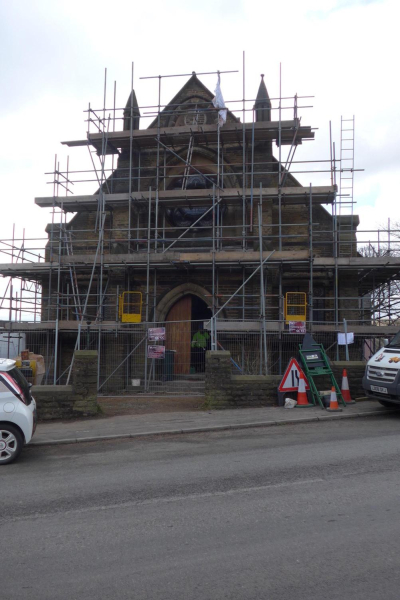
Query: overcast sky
[(343, 52)]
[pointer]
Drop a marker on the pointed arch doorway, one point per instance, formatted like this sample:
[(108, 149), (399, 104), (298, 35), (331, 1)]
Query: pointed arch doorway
[(182, 322)]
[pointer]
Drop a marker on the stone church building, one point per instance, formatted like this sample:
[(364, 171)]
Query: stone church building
[(195, 219)]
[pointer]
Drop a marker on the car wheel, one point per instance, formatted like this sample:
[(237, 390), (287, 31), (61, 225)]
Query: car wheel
[(11, 442), (387, 404)]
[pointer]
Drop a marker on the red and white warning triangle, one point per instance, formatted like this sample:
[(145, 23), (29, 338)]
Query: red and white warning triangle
[(290, 379)]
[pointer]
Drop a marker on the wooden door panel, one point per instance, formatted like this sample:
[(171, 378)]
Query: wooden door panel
[(179, 335)]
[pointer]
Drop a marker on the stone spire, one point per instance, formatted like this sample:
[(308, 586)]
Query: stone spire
[(262, 105), (135, 113)]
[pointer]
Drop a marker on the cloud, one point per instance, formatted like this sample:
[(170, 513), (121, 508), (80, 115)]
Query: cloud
[(339, 5)]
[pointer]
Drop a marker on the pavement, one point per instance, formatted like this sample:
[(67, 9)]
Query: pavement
[(172, 423)]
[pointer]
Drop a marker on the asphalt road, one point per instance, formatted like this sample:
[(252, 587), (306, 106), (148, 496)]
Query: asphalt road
[(308, 511)]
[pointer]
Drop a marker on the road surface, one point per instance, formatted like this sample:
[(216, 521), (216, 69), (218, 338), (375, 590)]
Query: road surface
[(307, 511)]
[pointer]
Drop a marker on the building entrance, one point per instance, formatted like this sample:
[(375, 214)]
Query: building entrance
[(183, 322)]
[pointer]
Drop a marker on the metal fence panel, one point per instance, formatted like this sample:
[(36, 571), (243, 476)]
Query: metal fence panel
[(132, 363)]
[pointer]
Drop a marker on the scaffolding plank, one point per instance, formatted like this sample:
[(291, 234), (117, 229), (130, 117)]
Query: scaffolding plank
[(168, 259), (142, 138), (83, 261), (273, 327), (358, 262), (324, 194), (386, 264)]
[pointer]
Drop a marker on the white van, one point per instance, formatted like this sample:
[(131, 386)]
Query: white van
[(382, 375), (17, 411)]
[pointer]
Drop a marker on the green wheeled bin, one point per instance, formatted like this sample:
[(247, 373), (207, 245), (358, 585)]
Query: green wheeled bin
[(169, 365)]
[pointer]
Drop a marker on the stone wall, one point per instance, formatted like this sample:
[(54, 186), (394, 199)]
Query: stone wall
[(224, 390), (355, 372), (71, 401)]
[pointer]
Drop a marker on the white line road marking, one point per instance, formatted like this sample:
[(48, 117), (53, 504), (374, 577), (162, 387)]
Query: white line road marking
[(170, 499)]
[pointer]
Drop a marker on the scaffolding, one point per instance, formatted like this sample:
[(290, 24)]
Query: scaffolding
[(59, 286)]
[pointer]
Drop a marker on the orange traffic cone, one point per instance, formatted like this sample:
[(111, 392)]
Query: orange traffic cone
[(301, 392), (333, 405), (345, 389)]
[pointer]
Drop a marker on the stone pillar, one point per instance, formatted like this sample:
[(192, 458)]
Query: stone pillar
[(84, 382), (218, 378)]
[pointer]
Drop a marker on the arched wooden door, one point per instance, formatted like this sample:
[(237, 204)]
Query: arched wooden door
[(179, 334)]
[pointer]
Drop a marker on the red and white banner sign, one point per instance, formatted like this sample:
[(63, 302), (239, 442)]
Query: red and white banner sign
[(290, 380), (297, 327)]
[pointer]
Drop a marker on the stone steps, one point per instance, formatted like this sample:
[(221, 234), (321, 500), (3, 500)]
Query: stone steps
[(187, 387), (190, 386)]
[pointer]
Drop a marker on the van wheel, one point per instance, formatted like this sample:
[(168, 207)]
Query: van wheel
[(11, 443), (387, 404)]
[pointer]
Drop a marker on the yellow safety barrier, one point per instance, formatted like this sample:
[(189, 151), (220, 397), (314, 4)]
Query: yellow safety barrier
[(295, 306), (130, 307)]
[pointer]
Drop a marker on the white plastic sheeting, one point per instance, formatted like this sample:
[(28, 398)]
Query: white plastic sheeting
[(218, 102), (290, 403)]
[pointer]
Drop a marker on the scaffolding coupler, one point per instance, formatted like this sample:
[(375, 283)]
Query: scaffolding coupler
[(316, 364)]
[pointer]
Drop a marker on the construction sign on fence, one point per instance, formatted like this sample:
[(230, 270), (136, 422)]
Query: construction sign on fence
[(156, 334), (290, 379), (155, 351)]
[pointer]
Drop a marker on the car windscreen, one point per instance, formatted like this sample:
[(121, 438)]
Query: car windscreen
[(395, 342), (22, 383)]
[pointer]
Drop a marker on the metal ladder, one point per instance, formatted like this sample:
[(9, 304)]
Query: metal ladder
[(189, 155), (188, 163), (316, 364), (346, 180)]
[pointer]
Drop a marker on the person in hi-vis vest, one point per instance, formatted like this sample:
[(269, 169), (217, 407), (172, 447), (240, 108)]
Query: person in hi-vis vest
[(199, 344)]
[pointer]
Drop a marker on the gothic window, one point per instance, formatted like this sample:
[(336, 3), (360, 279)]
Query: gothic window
[(183, 216)]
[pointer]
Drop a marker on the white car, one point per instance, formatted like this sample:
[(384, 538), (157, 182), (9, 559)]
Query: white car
[(17, 411)]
